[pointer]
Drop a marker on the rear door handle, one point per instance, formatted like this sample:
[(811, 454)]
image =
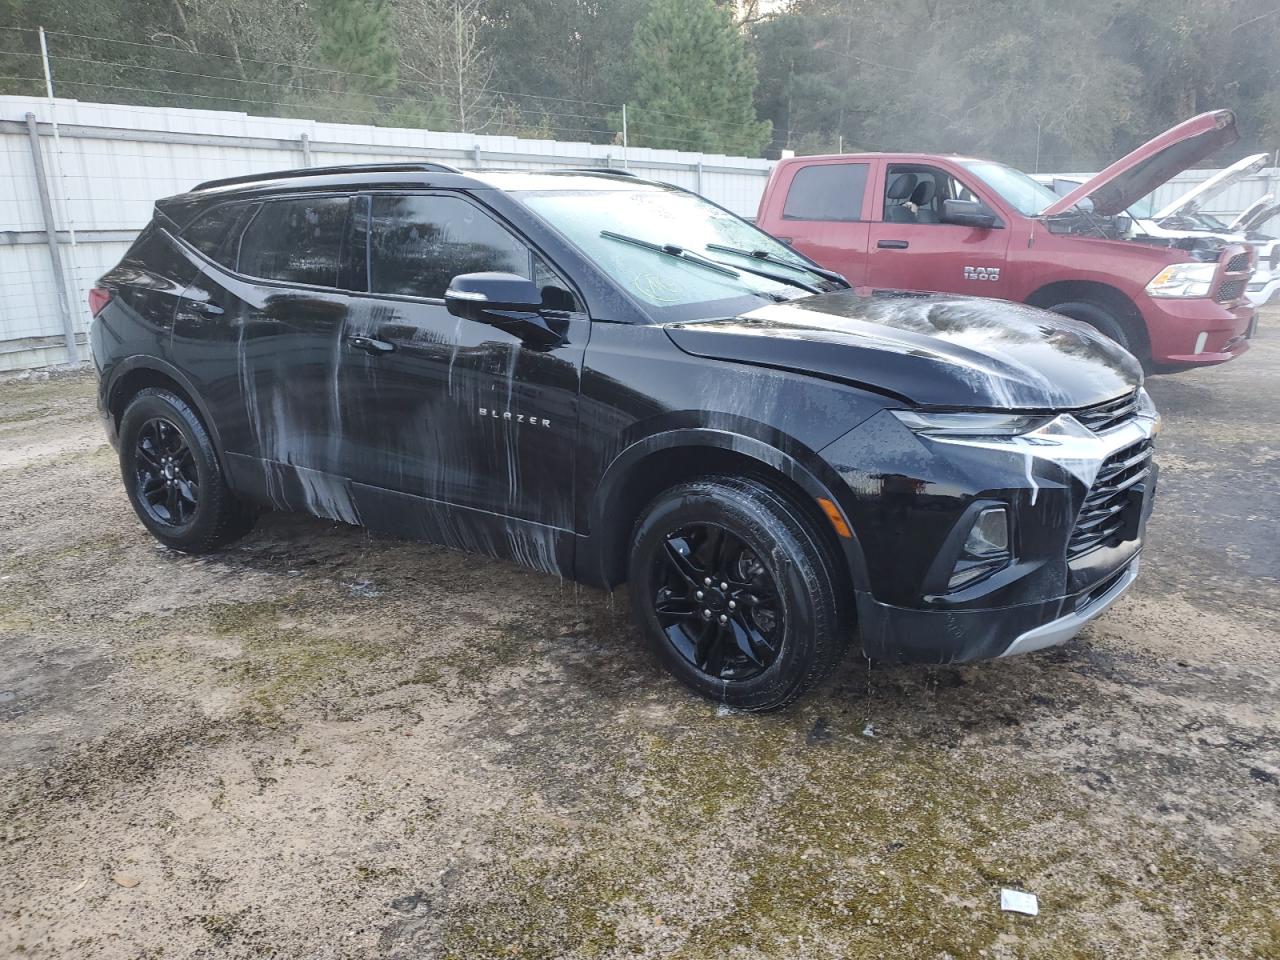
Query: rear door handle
[(370, 345), (892, 244), (204, 308)]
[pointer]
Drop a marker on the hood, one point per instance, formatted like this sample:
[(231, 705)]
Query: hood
[(1262, 210), (937, 351), (1132, 177), (1193, 200)]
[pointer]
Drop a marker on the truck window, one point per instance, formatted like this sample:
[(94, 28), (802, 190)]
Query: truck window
[(213, 232), (297, 241), (914, 193), (418, 243), (826, 191)]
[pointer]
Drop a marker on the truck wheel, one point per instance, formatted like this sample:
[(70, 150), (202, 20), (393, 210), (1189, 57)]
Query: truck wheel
[(173, 477), (733, 590), (1096, 316)]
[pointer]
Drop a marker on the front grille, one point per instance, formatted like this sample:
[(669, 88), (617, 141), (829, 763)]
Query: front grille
[(1238, 263), (1231, 290), (1104, 416), (1103, 514)]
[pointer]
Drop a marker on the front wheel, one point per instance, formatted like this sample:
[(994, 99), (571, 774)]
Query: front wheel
[(172, 475), (736, 593), (1098, 317)]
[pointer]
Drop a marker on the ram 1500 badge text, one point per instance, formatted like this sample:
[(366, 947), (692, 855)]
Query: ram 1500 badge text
[(614, 380)]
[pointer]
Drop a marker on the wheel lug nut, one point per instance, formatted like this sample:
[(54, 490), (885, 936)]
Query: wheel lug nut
[(724, 586), (733, 605), (706, 582), (723, 618), (698, 594)]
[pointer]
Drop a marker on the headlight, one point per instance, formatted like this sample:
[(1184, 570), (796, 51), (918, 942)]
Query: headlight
[(1183, 280), (971, 424)]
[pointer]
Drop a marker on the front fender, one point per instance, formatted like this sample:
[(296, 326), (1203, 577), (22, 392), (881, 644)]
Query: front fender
[(606, 535)]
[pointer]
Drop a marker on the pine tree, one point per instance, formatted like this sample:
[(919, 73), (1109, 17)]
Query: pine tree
[(692, 81), (356, 38)]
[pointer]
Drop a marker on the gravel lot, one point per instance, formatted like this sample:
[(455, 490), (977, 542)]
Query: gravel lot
[(323, 744)]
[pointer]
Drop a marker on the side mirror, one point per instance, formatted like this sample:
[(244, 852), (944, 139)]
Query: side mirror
[(969, 213), (505, 301)]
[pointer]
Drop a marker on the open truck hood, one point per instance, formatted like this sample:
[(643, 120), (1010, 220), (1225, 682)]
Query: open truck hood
[(936, 351), (1193, 201), (1134, 176), (1263, 209)]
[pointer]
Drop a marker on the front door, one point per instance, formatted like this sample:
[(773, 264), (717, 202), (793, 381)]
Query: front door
[(911, 248), (450, 417)]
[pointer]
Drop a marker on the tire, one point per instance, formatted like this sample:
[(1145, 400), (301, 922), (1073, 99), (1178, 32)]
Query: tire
[(1097, 316), (173, 478), (776, 631)]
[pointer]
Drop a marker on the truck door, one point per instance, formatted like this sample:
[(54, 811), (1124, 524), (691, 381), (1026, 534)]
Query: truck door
[(910, 248), (824, 213)]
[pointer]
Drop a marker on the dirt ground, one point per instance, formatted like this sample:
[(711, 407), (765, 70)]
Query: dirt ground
[(321, 744)]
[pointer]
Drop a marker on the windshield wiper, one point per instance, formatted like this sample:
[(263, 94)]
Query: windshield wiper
[(672, 250), (768, 257)]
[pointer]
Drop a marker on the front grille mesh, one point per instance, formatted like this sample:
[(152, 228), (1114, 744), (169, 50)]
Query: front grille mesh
[(1102, 515), (1231, 290), (1104, 416), (1237, 263)]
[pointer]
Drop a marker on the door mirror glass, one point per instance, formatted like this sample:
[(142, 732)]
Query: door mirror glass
[(969, 213)]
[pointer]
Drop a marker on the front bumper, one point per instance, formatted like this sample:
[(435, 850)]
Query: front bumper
[(909, 512), (1196, 332)]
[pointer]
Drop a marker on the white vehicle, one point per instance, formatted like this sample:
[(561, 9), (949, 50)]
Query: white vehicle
[(1185, 219)]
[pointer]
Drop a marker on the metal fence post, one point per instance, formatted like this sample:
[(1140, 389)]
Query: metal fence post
[(306, 150), (475, 156), (626, 161), (698, 175), (51, 235)]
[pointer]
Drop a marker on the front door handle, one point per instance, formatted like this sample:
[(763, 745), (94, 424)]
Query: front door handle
[(370, 345), (892, 244), (192, 309)]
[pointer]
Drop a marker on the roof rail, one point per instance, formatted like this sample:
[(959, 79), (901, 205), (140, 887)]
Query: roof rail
[(614, 171), (418, 167)]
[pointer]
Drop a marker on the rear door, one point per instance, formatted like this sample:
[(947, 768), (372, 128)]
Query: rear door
[(260, 331), (823, 213), (454, 412), (911, 249)]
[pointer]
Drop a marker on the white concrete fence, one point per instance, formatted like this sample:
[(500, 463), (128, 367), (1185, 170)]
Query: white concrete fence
[(104, 165)]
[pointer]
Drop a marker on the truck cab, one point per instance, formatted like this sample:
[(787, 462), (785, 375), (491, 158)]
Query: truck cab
[(950, 224)]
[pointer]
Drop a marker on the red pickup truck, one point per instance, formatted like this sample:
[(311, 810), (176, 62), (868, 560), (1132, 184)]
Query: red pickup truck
[(957, 225)]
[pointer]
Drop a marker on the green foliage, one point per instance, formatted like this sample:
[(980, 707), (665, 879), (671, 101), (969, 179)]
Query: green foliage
[(355, 37), (692, 81)]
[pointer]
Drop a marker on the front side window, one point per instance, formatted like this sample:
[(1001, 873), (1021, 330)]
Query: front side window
[(418, 243), (296, 241), (915, 194), (826, 191), (619, 227)]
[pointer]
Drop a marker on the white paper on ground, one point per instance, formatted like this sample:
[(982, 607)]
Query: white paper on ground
[(1016, 901)]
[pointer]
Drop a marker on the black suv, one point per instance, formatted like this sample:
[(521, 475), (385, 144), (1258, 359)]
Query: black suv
[(615, 380)]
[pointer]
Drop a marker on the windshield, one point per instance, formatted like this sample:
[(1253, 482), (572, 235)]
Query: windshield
[(1144, 209), (600, 222), (1015, 187)]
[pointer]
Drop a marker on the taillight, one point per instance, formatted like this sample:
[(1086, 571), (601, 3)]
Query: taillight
[(99, 297)]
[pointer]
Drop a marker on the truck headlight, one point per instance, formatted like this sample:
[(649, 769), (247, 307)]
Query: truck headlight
[(971, 424), (1183, 280)]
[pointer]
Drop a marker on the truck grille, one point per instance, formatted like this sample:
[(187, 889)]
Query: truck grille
[(1103, 513), (1231, 290), (1104, 416), (1238, 263)]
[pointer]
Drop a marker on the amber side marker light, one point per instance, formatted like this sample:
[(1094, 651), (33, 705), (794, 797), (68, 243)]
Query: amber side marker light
[(837, 521)]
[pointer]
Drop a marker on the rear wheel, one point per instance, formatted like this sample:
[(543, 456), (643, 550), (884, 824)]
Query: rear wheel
[(1097, 316), (734, 591), (172, 475)]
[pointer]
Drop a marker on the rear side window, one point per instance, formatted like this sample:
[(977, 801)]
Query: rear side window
[(826, 191), (213, 233), (296, 241), (418, 243)]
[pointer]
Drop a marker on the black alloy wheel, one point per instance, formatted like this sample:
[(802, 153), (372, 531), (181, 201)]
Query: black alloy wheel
[(166, 480), (717, 603)]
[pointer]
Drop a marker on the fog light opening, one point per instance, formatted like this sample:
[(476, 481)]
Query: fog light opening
[(1201, 341), (985, 550)]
